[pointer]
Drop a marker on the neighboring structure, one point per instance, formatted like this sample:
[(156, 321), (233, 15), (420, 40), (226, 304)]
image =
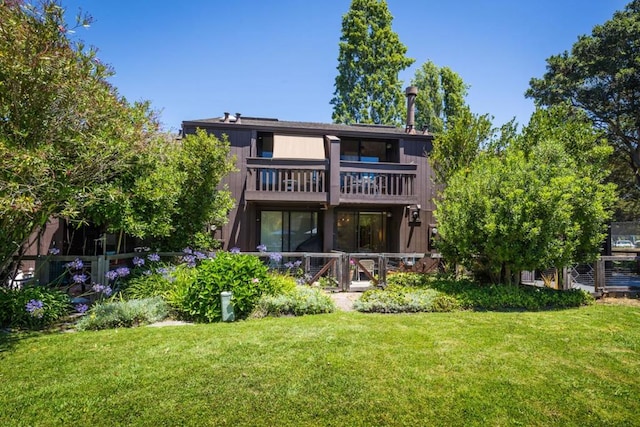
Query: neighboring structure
[(317, 187)]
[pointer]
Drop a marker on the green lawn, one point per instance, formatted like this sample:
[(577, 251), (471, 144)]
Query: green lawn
[(571, 367)]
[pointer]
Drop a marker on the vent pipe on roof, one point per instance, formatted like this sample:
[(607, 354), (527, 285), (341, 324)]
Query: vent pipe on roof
[(411, 93), (238, 118), (226, 117)]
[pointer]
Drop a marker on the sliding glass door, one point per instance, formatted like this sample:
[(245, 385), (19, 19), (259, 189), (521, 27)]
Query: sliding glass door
[(361, 231), (290, 231)]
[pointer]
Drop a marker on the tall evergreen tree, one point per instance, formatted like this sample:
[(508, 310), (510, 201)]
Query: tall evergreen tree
[(441, 93), (367, 88)]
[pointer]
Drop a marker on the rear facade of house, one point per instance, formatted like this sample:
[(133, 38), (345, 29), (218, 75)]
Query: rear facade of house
[(314, 187)]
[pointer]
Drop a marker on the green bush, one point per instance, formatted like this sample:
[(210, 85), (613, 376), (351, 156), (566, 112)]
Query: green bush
[(158, 283), (472, 295), (32, 307), (299, 301), (409, 279), (280, 283), (400, 299), (143, 286), (124, 314), (198, 299)]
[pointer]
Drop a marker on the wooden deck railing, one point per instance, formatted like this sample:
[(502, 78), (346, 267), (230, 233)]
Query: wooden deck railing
[(388, 180), (280, 177), (275, 179)]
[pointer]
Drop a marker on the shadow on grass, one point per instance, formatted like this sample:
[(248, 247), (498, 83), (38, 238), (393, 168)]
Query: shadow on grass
[(8, 339)]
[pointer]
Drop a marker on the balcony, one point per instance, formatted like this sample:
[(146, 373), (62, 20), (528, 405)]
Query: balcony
[(271, 179), (355, 182), (389, 183)]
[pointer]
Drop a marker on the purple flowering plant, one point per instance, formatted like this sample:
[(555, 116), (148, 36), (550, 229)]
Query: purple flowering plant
[(123, 271), (75, 265), (275, 257), (294, 269), (35, 308), (79, 278), (102, 289)]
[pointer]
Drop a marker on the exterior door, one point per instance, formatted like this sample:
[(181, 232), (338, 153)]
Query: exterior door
[(361, 231)]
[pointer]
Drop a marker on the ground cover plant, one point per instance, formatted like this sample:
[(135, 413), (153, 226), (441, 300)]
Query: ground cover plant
[(562, 367), (401, 299), (471, 295), (298, 301), (124, 314)]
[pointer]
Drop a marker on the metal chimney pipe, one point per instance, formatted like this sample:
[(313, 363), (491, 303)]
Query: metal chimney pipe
[(226, 117), (411, 92), (238, 118)]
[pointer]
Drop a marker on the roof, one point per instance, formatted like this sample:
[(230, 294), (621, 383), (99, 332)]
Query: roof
[(269, 124)]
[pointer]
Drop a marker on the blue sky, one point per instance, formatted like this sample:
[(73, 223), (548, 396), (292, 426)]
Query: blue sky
[(197, 59)]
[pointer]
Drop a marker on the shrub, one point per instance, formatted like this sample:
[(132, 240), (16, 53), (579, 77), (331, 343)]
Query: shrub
[(297, 302), (472, 295), (409, 279), (280, 283), (159, 282), (32, 307), (399, 299), (244, 275), (144, 286), (124, 314)]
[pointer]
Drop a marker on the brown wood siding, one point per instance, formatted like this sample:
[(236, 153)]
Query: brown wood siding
[(403, 235), (413, 235)]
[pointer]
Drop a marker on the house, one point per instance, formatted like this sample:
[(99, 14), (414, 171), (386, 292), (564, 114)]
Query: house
[(317, 187)]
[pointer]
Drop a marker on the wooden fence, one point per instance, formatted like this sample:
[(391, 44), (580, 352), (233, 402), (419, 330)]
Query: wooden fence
[(347, 271)]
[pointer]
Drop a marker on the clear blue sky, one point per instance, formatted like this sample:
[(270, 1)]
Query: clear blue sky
[(196, 59)]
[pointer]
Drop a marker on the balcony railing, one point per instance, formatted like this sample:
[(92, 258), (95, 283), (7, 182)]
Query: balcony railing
[(277, 179), (308, 180), (388, 181)]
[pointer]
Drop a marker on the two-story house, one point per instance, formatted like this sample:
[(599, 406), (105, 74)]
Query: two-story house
[(317, 187)]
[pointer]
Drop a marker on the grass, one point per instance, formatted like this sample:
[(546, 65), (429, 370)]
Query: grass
[(571, 367)]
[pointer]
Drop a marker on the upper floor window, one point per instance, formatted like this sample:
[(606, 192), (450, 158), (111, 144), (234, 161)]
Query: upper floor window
[(265, 144), (364, 150)]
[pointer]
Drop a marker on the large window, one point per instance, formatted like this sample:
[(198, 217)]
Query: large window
[(361, 231), (290, 231), (368, 150)]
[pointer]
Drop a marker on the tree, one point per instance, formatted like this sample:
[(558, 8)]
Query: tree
[(441, 108), (170, 196), (540, 203), (63, 129), (459, 145), (601, 76), (367, 88), (191, 171), (441, 94)]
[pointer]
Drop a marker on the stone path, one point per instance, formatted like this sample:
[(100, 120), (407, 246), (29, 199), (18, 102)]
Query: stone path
[(344, 300)]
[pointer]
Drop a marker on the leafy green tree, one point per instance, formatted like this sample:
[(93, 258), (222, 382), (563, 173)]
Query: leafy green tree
[(63, 129), (170, 196), (540, 203), (601, 76), (191, 171), (459, 145), (367, 88), (442, 110), (441, 94)]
